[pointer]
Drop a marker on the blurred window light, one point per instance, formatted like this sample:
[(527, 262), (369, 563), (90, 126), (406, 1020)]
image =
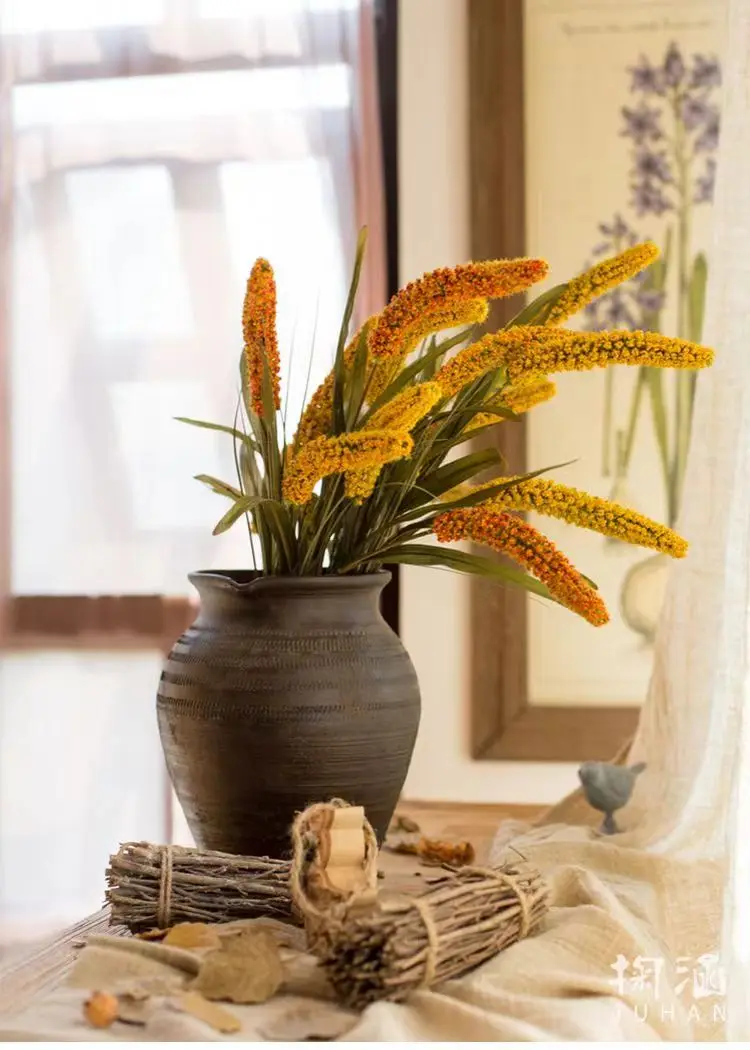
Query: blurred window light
[(181, 96), (239, 9), (42, 16)]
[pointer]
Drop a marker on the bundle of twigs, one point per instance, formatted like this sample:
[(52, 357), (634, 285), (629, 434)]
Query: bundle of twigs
[(154, 887), (400, 945)]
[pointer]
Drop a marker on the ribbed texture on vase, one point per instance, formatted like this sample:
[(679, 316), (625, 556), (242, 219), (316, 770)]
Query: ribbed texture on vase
[(282, 695)]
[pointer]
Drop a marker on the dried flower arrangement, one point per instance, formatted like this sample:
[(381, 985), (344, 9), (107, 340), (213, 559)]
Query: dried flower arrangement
[(369, 473)]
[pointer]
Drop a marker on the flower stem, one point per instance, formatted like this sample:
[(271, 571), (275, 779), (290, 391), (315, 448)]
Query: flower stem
[(609, 384), (682, 380)]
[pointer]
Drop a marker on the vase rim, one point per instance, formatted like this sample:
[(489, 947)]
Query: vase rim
[(243, 580)]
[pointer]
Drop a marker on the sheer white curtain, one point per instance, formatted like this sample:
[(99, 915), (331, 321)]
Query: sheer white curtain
[(152, 150), (159, 148), (695, 727)]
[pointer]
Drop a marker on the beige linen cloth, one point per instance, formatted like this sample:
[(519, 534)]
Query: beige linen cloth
[(634, 916)]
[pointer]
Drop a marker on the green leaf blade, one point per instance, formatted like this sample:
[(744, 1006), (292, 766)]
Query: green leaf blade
[(449, 475), (339, 378), (357, 381), (697, 297), (461, 561), (221, 488), (420, 368), (473, 499), (220, 428), (537, 311), (242, 506)]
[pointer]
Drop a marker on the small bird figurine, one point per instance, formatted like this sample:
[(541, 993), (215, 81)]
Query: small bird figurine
[(607, 788)]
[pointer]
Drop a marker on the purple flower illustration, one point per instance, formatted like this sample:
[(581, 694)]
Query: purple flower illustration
[(650, 300), (708, 139), (706, 72), (695, 111), (648, 199), (620, 308), (652, 164), (646, 78), (611, 311), (642, 124), (673, 69), (615, 312), (617, 230), (704, 184), (673, 131)]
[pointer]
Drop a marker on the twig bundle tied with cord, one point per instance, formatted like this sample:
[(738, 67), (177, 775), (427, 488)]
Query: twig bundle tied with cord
[(379, 946), (154, 887), (404, 944)]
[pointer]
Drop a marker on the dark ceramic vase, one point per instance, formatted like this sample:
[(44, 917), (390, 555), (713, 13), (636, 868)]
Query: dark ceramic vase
[(285, 691)]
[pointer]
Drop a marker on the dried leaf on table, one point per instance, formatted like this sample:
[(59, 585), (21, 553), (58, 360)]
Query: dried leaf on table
[(246, 969), (100, 1009), (193, 935), (105, 970), (220, 1019), (304, 977), (308, 1021), (286, 936), (168, 955), (139, 988), (152, 935), (436, 851), (132, 1009), (402, 846), (404, 825)]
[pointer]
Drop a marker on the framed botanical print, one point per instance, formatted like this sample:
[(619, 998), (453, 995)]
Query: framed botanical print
[(607, 116)]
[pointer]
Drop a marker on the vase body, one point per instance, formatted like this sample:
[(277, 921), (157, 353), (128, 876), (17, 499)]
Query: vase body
[(283, 692)]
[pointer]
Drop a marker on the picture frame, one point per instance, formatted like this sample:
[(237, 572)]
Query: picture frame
[(519, 652)]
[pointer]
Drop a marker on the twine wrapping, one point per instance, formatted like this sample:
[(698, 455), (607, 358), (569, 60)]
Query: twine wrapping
[(165, 888), (433, 940), (509, 880), (327, 875), (433, 932)]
